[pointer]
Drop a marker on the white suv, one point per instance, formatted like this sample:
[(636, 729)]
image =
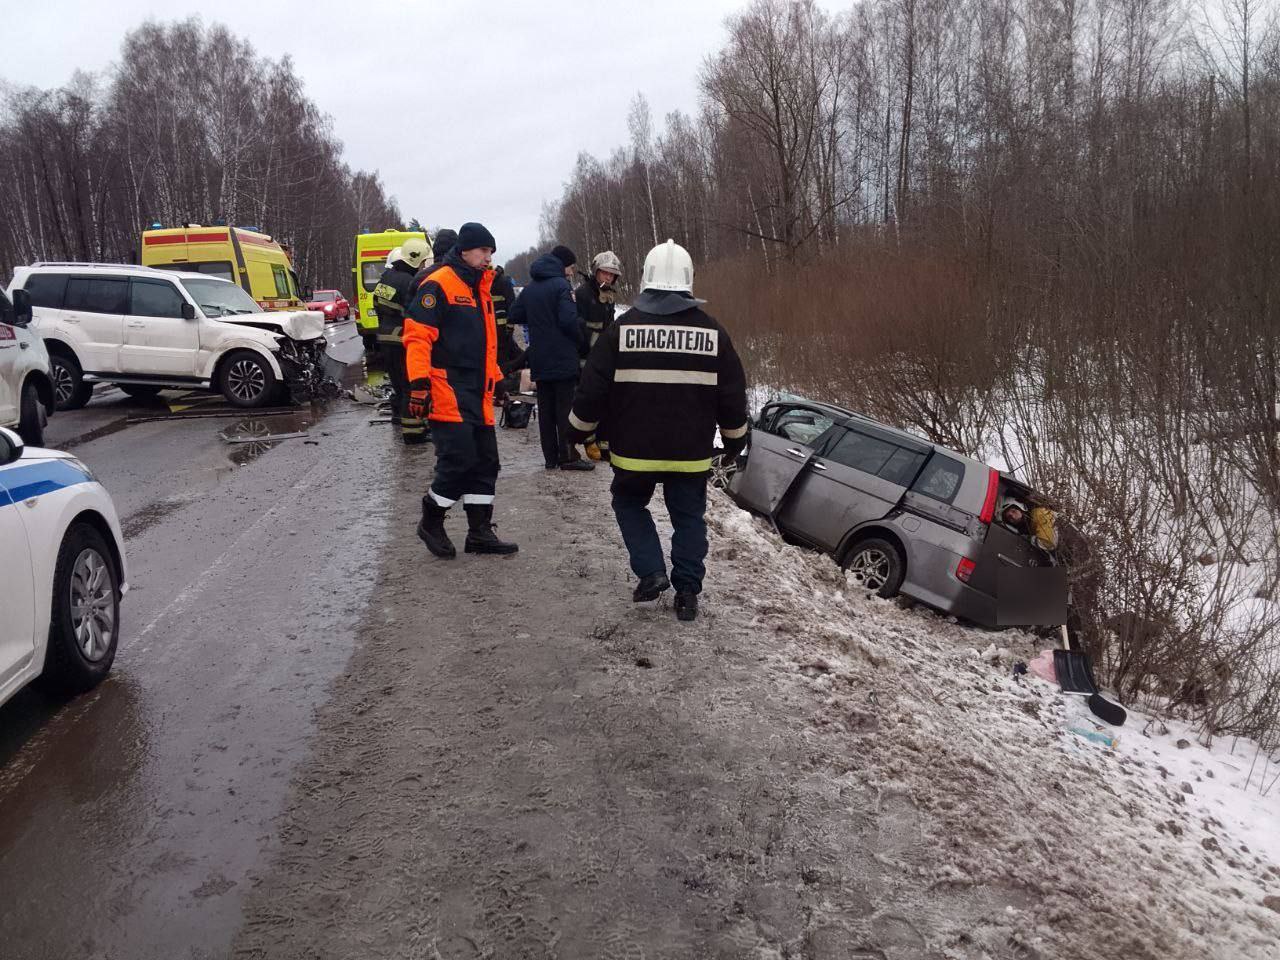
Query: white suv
[(146, 329), (26, 389)]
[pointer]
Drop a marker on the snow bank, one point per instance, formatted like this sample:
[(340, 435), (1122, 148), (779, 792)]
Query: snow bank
[(1140, 850)]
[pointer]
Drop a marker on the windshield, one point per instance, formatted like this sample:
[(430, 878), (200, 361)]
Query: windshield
[(324, 296), (217, 298), (370, 273)]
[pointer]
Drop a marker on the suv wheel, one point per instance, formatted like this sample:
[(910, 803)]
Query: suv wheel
[(33, 417), (876, 566), (85, 625), (247, 380), (70, 392)]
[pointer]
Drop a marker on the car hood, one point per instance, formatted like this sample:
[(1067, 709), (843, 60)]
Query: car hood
[(43, 453), (297, 324)]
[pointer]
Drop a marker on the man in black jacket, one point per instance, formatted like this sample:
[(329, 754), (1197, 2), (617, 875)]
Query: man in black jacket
[(389, 299), (664, 376), (547, 306)]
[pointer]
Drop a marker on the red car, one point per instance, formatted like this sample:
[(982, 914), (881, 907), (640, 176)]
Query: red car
[(331, 303)]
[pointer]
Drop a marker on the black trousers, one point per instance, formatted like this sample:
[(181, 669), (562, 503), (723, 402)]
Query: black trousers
[(555, 400), (466, 463), (394, 357)]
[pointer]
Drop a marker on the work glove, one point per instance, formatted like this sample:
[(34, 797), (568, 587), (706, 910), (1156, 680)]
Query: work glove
[(419, 399), (733, 448)]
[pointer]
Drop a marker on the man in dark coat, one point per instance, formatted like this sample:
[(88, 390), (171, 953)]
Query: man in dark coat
[(547, 307), (664, 377)]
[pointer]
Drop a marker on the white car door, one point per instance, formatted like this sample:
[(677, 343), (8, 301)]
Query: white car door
[(17, 593), (94, 308), (9, 351), (157, 339)]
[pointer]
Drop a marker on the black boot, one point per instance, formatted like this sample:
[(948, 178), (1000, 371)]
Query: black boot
[(686, 605), (480, 535), (649, 587), (431, 530)]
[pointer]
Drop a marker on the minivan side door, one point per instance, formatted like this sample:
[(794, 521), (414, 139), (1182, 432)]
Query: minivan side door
[(858, 475), (93, 313), (157, 339), (781, 446)]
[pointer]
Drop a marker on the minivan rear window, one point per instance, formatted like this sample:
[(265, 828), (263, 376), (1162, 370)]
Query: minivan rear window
[(940, 478), (97, 295), (46, 289)]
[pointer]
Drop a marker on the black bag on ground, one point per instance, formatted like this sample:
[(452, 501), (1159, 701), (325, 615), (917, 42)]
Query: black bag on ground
[(516, 414)]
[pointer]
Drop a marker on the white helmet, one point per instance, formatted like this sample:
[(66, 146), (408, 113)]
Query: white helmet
[(607, 261), (413, 251), (668, 267), (393, 256)]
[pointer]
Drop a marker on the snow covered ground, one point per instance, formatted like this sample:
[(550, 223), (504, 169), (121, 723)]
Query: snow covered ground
[(1140, 849)]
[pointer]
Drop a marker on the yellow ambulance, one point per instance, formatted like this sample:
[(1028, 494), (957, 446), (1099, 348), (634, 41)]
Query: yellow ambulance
[(252, 259), (372, 250)]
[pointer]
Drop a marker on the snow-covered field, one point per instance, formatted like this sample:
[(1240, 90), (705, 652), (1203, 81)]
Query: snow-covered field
[(1141, 848)]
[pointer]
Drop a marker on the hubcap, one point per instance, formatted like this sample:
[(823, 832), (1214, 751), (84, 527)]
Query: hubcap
[(869, 569), (93, 613), (722, 472), (64, 384), (246, 380)]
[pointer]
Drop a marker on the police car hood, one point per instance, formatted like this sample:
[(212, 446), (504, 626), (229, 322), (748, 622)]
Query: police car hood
[(296, 325), (42, 453)]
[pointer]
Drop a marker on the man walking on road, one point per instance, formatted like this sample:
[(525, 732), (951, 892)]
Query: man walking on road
[(596, 297), (389, 298), (663, 377), (451, 341), (547, 306)]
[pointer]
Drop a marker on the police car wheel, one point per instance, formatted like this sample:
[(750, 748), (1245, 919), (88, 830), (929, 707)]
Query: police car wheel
[(247, 380), (85, 625), (33, 417)]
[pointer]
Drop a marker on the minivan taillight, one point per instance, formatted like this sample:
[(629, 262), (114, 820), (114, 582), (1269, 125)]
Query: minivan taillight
[(989, 505), (964, 569)]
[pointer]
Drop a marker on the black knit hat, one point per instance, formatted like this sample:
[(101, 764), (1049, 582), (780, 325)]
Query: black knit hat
[(445, 239), (564, 255), (472, 235)]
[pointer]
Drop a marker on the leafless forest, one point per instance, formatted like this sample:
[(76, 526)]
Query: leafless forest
[(1040, 230), (191, 126)]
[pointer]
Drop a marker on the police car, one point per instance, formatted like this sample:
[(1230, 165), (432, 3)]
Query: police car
[(64, 570)]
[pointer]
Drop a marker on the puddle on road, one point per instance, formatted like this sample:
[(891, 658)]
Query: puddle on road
[(251, 437)]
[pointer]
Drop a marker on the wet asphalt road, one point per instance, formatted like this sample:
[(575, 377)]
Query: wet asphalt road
[(130, 817)]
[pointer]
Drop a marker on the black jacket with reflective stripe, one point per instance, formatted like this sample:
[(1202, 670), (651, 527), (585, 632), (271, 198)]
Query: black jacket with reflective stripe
[(390, 296), (663, 382)]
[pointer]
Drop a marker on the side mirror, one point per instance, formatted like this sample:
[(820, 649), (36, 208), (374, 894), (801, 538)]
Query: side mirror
[(21, 308), (188, 311), (11, 446), (307, 294)]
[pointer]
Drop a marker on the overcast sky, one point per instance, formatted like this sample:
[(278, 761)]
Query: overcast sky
[(470, 111)]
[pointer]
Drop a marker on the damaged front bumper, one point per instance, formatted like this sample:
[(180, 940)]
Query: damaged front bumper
[(306, 372)]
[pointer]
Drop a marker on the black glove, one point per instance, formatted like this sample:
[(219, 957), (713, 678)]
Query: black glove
[(733, 448), (500, 392)]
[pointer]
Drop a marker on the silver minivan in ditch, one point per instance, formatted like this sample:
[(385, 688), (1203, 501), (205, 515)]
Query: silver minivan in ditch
[(899, 514)]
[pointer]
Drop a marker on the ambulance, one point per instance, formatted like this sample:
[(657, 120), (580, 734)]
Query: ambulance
[(371, 259), (252, 259)]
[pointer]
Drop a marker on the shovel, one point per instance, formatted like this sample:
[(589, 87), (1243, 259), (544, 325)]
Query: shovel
[(1075, 675)]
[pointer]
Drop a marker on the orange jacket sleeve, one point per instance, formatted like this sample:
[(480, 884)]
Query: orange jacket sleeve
[(421, 330)]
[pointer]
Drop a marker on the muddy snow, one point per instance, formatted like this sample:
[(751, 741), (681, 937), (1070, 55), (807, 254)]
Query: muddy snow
[(519, 762)]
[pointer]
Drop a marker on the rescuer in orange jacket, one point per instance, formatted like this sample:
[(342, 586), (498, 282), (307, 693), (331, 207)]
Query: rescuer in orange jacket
[(451, 347)]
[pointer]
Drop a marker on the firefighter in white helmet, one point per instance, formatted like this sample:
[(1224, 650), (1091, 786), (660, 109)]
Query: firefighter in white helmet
[(596, 297), (664, 377), (389, 298)]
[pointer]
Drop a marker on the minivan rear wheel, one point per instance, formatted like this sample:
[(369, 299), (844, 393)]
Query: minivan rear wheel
[(875, 565)]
